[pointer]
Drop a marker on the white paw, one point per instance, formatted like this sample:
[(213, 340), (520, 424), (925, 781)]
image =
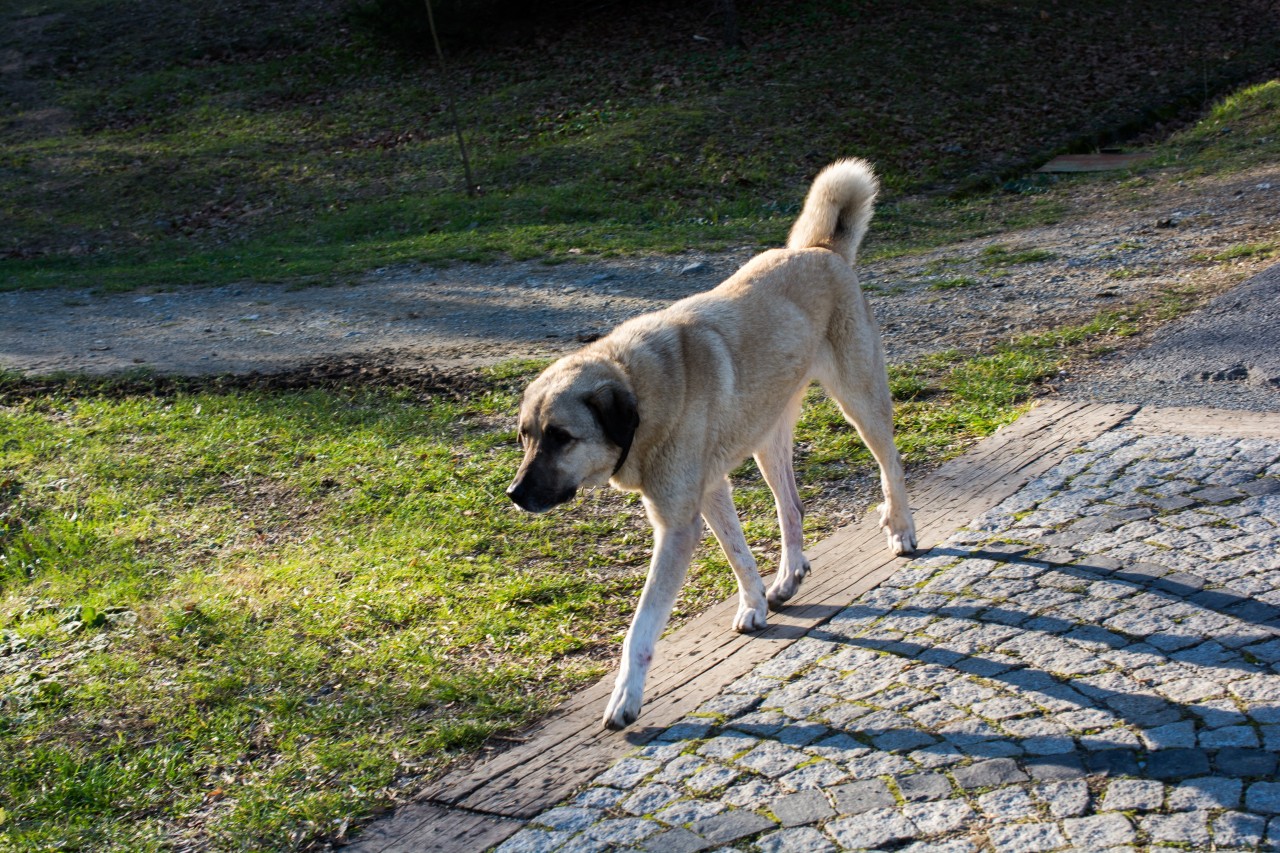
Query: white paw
[(902, 542), (787, 583), (751, 618), (624, 707)]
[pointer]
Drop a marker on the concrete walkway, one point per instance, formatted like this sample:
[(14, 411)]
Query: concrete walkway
[(1088, 659)]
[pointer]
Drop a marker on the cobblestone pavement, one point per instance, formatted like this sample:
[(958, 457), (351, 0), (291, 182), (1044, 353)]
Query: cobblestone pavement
[(1092, 665)]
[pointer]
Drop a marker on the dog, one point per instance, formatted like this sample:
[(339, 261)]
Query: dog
[(670, 402)]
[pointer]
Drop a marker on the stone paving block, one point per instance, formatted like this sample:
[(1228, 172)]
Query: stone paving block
[(1238, 829), (1245, 762), (1133, 795), (1007, 804), (1263, 798), (1171, 736), (801, 809), (1184, 827), (676, 840), (1112, 762), (1097, 832), (730, 826), (1177, 763), (919, 787), (690, 811), (1065, 799), (534, 841), (619, 831), (1055, 768), (803, 839), (817, 776), (938, 817), (649, 799), (627, 773), (1026, 838), (989, 774), (872, 829), (857, 797), (1209, 792), (710, 778), (772, 759)]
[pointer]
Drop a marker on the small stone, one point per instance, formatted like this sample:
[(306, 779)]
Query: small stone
[(1263, 797), (919, 787), (801, 809), (1245, 762), (676, 840), (1184, 827), (872, 829), (989, 774), (1113, 762), (649, 799), (938, 817), (804, 839), (619, 832), (1133, 795), (1177, 763), (1096, 832), (1065, 799), (1007, 804), (731, 826), (1209, 792), (1026, 838), (1239, 830), (1053, 768), (857, 797), (534, 841)]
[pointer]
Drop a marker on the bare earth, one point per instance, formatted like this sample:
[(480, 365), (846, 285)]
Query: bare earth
[(1114, 248)]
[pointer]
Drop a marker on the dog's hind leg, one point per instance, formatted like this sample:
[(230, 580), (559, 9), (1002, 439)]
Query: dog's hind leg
[(861, 390), (777, 466), (673, 548), (722, 518)]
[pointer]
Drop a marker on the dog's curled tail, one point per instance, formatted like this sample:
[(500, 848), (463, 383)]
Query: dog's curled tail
[(838, 209)]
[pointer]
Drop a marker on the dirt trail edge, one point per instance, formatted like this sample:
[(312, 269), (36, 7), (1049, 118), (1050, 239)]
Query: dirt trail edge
[(1109, 252)]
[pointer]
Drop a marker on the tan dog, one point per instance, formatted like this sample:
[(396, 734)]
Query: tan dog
[(669, 403)]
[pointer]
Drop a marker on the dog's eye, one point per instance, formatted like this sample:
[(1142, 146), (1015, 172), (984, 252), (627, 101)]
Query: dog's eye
[(557, 436)]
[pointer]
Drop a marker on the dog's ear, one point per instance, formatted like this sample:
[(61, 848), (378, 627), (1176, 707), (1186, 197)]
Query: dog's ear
[(615, 408)]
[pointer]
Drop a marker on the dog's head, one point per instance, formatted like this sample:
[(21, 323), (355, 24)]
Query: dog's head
[(576, 426)]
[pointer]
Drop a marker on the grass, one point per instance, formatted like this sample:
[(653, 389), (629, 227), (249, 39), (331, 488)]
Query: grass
[(241, 140), (257, 617)]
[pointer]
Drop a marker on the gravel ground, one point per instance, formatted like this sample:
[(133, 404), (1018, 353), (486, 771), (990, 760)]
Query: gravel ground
[(1226, 355), (1112, 248)]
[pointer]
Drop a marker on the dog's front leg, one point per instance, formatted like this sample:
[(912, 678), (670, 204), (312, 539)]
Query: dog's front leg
[(672, 550)]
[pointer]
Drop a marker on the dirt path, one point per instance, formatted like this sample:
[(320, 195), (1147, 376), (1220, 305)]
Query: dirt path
[(1112, 251)]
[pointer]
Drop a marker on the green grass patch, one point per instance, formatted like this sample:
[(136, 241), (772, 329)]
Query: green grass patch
[(997, 256), (954, 283), (1243, 250)]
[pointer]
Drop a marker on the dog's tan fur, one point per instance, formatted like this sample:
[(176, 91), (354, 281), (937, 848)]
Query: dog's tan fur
[(670, 402)]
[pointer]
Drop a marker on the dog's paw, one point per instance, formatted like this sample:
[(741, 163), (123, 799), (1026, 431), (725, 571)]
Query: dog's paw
[(902, 542), (751, 618), (787, 583), (623, 708)]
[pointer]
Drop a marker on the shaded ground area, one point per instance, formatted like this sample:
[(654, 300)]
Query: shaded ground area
[(1227, 354)]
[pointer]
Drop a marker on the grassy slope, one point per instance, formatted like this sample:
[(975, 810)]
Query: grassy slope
[(202, 143)]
